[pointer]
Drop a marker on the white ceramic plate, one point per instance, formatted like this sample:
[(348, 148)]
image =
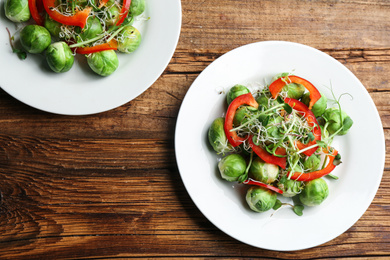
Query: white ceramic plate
[(223, 203), (80, 91)]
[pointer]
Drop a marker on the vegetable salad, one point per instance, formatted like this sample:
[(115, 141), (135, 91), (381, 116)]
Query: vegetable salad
[(62, 28), (279, 141)]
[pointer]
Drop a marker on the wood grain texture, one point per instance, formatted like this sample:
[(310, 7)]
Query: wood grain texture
[(107, 185)]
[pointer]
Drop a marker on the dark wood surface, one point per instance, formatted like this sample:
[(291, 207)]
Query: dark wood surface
[(107, 185)]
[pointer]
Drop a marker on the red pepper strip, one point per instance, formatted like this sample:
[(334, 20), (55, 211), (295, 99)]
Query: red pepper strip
[(312, 121), (278, 84), (112, 45), (257, 183), (32, 5), (78, 19), (265, 156), (102, 3), (124, 11), (246, 99), (299, 176)]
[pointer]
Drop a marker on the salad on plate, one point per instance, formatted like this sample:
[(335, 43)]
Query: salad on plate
[(60, 29), (278, 140)]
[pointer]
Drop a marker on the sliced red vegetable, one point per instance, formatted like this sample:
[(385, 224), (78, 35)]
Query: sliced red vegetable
[(111, 45), (124, 11), (258, 183), (304, 111), (33, 6), (78, 19), (266, 156), (278, 85), (299, 176), (246, 99)]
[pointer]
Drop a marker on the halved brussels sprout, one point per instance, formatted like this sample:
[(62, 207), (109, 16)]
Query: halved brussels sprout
[(243, 114), (35, 38), (52, 26), (314, 193), (103, 63), (17, 10), (260, 199), (290, 187), (293, 90), (217, 137), (232, 167), (59, 57), (92, 29), (264, 172)]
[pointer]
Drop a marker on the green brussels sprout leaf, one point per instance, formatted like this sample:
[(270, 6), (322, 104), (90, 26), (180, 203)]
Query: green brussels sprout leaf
[(280, 100)]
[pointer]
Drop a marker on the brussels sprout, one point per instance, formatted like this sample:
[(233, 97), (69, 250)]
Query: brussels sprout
[(312, 163), (264, 172), (319, 107), (273, 126), (290, 187), (59, 57), (92, 29), (235, 91), (53, 27), (137, 7), (112, 14), (243, 114), (35, 38), (129, 39), (17, 10), (293, 90), (232, 167), (103, 63), (260, 199), (314, 193), (337, 122), (217, 137)]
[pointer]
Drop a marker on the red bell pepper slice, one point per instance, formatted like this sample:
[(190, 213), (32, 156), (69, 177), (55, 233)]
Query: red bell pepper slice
[(278, 85), (258, 183), (246, 99), (304, 111), (33, 6), (111, 45), (266, 156), (299, 176), (78, 19), (124, 11)]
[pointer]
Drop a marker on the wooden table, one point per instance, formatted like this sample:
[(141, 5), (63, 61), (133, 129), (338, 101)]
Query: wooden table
[(107, 185)]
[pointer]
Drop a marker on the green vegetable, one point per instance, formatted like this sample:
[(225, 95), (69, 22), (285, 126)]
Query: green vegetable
[(53, 27), (314, 193), (59, 57), (264, 172), (17, 10), (137, 7), (293, 90), (290, 187), (112, 14), (35, 38), (103, 63), (92, 29), (312, 163), (336, 122), (232, 167), (260, 199), (235, 91), (217, 137), (319, 107), (129, 39)]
